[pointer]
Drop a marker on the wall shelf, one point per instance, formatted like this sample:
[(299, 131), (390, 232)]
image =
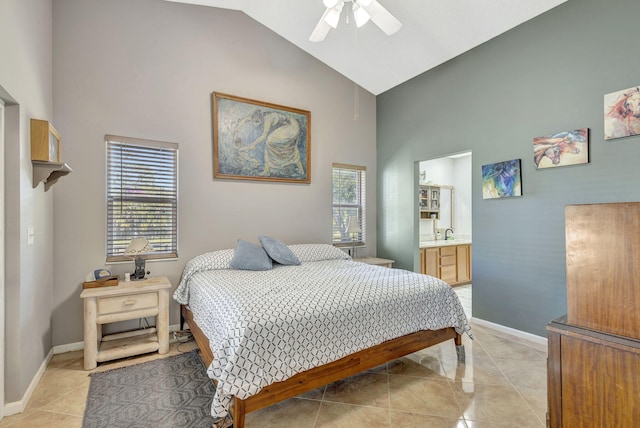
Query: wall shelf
[(49, 172), (46, 156)]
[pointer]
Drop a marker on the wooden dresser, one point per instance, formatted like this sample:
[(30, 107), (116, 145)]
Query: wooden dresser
[(593, 378), (593, 374)]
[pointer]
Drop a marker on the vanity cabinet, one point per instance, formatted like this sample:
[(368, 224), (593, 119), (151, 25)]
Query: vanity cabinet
[(429, 261), (463, 263), (450, 263)]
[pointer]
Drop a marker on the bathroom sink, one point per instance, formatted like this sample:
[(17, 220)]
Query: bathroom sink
[(442, 242)]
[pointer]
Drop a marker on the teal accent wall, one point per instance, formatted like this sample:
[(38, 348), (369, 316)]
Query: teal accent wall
[(545, 76)]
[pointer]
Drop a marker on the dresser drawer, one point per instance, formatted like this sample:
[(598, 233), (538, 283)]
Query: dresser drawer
[(448, 260), (448, 273), (109, 305), (448, 251)]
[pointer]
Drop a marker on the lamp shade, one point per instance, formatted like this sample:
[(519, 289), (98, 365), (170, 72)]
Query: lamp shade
[(361, 16), (333, 17), (138, 246), (354, 225)]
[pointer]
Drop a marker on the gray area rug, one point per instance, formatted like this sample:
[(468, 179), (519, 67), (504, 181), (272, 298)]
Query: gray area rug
[(169, 392)]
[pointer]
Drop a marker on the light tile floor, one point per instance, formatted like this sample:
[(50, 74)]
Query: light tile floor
[(464, 294), (502, 384)]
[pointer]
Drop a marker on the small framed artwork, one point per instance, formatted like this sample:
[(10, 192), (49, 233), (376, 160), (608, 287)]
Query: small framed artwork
[(561, 149), (622, 113), (255, 140), (45, 142), (501, 180)]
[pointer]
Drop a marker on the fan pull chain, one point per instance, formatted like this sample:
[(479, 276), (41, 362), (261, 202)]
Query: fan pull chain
[(356, 93)]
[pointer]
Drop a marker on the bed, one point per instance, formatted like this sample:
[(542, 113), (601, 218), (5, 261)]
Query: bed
[(269, 335)]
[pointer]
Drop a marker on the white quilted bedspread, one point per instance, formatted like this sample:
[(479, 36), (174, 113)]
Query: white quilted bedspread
[(266, 326)]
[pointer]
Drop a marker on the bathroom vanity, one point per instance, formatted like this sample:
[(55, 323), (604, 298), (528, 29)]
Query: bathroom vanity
[(448, 260)]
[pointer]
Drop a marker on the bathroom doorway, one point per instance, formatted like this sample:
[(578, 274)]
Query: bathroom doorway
[(446, 210)]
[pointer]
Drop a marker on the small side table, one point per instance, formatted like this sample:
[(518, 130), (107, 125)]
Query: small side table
[(127, 301), (376, 261)]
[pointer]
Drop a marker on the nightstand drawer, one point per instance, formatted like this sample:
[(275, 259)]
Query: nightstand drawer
[(109, 305)]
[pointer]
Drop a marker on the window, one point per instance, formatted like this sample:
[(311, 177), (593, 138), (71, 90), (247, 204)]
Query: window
[(142, 196), (348, 201)]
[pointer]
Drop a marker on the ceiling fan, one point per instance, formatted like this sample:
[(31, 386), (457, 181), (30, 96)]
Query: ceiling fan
[(362, 12)]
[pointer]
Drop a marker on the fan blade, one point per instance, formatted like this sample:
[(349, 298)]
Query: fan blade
[(382, 18), (321, 30)]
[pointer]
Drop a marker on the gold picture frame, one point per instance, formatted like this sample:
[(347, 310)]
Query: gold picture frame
[(260, 141)]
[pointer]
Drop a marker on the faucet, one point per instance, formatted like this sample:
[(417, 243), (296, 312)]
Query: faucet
[(446, 233)]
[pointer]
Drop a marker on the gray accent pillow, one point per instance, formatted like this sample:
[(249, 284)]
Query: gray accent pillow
[(250, 256), (278, 251)]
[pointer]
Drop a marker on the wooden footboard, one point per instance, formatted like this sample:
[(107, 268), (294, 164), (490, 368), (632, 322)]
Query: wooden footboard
[(319, 376), (198, 335)]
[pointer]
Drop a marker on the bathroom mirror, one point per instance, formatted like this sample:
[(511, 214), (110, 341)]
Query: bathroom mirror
[(446, 208)]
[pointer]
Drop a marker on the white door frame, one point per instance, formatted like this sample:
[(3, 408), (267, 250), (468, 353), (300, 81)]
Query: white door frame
[(2, 270)]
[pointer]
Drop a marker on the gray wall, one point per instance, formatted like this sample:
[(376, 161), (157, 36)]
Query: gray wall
[(25, 85), (545, 76), (146, 69)]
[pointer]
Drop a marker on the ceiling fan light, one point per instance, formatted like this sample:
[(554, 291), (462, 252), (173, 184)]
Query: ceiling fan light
[(330, 3), (361, 16), (333, 17)]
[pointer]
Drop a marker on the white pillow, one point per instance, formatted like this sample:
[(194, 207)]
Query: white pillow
[(318, 252), (219, 259)]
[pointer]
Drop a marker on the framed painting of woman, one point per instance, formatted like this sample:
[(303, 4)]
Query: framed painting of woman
[(255, 140)]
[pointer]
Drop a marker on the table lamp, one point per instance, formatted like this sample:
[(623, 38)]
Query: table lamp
[(136, 247), (353, 229)]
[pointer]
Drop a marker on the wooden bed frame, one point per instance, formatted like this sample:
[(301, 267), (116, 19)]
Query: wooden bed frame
[(328, 373)]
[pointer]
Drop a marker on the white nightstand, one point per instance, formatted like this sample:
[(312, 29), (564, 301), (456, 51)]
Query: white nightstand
[(127, 301), (376, 261)]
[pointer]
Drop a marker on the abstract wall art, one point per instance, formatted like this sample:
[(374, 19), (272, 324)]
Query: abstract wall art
[(501, 180), (561, 149), (622, 113)]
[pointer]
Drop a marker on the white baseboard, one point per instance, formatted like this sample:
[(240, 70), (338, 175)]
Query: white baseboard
[(69, 347), (16, 407), (538, 340)]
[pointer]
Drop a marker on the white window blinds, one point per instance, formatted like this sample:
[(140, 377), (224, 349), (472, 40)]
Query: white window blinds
[(142, 196), (349, 192)]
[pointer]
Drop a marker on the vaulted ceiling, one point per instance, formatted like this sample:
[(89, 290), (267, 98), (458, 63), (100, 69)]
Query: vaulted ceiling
[(433, 32)]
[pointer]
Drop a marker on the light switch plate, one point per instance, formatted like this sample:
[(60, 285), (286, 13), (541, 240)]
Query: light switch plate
[(30, 235)]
